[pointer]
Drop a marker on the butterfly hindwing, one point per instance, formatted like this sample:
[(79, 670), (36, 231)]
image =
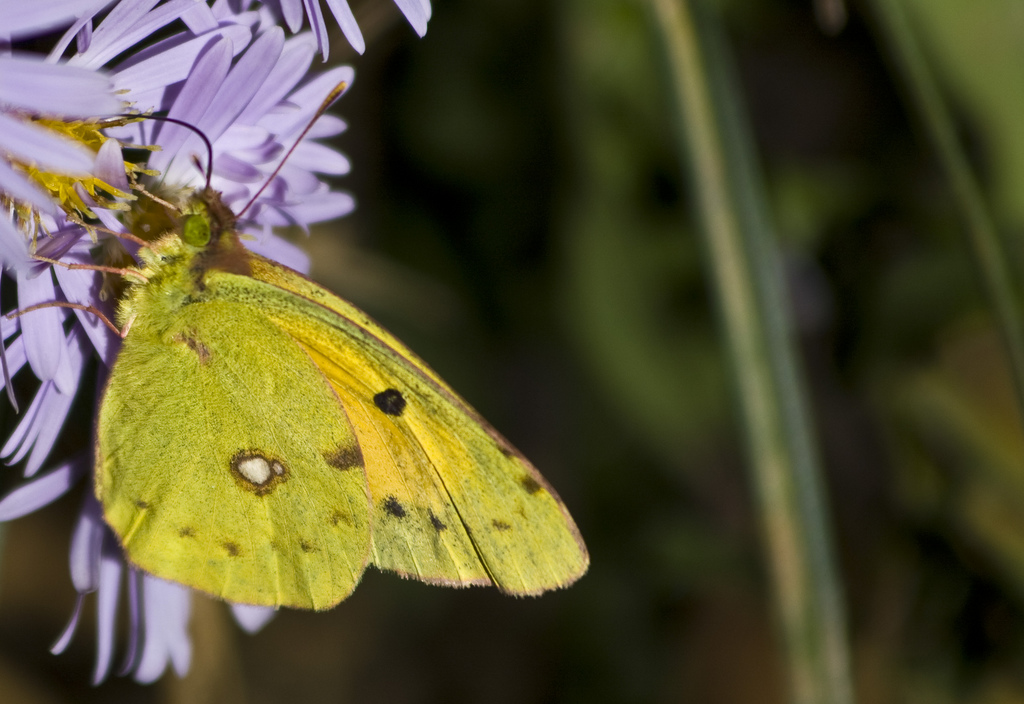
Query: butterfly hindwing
[(251, 486), (453, 502)]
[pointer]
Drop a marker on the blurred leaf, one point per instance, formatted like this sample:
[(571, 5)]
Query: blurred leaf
[(635, 298), (979, 48)]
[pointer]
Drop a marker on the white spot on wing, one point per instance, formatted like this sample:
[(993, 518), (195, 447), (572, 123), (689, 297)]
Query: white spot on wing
[(257, 470)]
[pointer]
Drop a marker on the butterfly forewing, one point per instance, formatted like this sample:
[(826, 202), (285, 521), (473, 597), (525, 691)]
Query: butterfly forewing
[(250, 486), (453, 502)]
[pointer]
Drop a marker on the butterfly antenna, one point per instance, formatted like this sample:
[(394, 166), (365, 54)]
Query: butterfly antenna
[(331, 97), (208, 170)]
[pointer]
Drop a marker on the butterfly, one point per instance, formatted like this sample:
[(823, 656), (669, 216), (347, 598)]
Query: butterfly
[(264, 441)]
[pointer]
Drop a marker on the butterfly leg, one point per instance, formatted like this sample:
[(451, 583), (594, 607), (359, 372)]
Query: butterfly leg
[(77, 306)]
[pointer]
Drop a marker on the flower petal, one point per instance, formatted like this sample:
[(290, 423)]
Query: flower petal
[(39, 429), (111, 568), (346, 21), (292, 66), (43, 148), (13, 248), (83, 286), (42, 490), (19, 188), (86, 545), (280, 250), (38, 87), (149, 72), (252, 618), (167, 609), (109, 165), (43, 328), (320, 158), (26, 19), (64, 640), (196, 95), (14, 355), (417, 12), (130, 22), (242, 83)]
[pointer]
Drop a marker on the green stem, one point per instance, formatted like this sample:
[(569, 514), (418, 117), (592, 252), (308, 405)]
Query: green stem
[(747, 278), (990, 257)]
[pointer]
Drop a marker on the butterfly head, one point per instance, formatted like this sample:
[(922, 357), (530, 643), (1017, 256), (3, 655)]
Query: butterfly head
[(206, 219)]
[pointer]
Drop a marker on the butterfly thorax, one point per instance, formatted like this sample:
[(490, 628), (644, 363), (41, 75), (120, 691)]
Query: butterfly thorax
[(176, 267)]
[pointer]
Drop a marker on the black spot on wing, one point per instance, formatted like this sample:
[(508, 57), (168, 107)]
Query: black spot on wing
[(187, 532), (190, 340), (436, 522), (392, 506), (531, 485), (344, 457), (339, 517), (306, 546), (232, 548), (390, 401), (139, 503), (500, 525)]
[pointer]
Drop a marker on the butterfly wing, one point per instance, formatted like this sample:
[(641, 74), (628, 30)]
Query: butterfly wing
[(226, 462), (453, 502)]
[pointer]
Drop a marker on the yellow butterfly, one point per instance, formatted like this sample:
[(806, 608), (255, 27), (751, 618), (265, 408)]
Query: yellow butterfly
[(263, 440)]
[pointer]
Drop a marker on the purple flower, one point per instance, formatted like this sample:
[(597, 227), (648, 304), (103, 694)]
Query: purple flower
[(234, 76), (417, 12)]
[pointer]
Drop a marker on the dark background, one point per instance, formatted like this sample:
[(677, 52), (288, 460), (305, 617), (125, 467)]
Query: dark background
[(524, 225)]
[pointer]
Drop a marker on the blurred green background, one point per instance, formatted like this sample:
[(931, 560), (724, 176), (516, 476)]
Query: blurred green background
[(525, 225)]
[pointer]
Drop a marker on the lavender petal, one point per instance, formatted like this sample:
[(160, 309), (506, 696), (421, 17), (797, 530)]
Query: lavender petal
[(199, 18), (167, 609), (327, 206), (135, 623), (43, 329), (43, 148), (26, 19), (83, 286), (111, 567), (242, 83), (319, 158), (48, 89), (109, 165), (291, 12), (307, 99), (54, 414), (14, 353), (64, 640), (18, 187), (146, 75), (346, 21), (281, 250), (13, 249), (195, 97), (252, 618), (86, 545), (292, 66), (417, 12), (128, 23), (42, 490), (37, 429)]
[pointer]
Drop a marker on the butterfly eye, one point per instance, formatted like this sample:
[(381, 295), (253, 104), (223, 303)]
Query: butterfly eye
[(196, 231)]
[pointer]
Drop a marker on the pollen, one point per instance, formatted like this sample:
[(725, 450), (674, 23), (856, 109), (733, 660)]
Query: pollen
[(66, 189)]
